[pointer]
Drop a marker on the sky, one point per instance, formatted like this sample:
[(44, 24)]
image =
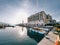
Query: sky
[(16, 11)]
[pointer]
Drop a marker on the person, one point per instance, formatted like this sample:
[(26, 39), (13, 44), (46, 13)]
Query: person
[(57, 42)]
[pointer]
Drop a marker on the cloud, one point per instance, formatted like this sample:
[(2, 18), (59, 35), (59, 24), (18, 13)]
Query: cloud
[(15, 14), (14, 11)]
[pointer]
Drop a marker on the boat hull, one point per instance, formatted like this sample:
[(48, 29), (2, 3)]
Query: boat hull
[(38, 36)]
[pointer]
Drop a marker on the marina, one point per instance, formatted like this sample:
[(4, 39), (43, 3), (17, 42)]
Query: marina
[(29, 22)]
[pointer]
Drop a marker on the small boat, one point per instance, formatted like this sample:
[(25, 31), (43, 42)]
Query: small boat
[(35, 34)]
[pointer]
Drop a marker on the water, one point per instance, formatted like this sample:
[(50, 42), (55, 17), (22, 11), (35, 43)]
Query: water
[(15, 36)]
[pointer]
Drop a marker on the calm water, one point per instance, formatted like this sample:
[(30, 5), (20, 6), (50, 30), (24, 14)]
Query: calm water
[(15, 36)]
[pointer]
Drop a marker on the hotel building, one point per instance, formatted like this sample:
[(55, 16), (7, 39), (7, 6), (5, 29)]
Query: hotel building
[(39, 18)]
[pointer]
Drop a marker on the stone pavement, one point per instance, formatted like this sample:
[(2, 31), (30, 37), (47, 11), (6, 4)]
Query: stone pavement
[(50, 41)]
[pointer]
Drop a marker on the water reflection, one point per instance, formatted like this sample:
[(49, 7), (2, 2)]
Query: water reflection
[(37, 36), (15, 36), (21, 33)]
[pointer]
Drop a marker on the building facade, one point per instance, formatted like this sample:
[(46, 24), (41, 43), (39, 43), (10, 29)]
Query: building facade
[(40, 18)]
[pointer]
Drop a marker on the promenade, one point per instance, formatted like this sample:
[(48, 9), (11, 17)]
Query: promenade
[(50, 41)]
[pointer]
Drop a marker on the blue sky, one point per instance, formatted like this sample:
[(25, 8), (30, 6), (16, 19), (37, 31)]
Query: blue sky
[(14, 11)]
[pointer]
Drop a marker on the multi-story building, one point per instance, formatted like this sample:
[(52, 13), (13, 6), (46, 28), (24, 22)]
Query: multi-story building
[(39, 18), (48, 19), (53, 21)]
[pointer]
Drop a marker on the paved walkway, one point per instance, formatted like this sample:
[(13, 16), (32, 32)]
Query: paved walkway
[(50, 41)]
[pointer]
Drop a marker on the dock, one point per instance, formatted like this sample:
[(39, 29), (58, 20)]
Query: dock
[(51, 41)]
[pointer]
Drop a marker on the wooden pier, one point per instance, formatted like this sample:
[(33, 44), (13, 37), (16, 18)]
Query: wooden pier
[(50, 41)]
